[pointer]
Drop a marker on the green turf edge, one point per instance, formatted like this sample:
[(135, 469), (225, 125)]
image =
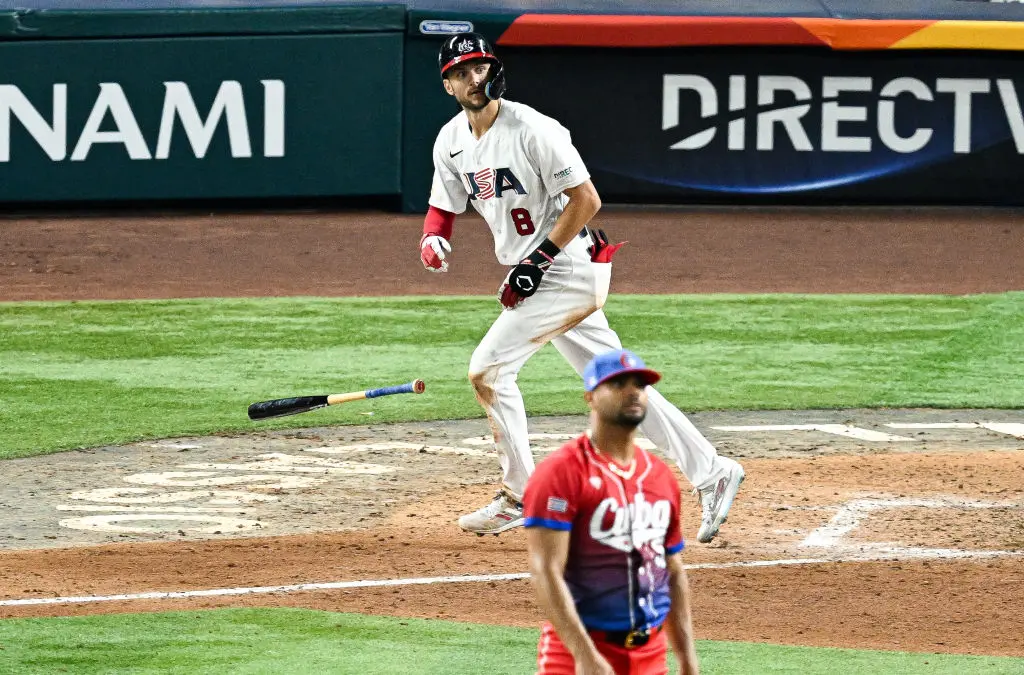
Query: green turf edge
[(310, 641)]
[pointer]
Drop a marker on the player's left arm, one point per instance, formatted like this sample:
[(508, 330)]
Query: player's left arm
[(562, 171), (583, 205), (679, 623), (561, 168)]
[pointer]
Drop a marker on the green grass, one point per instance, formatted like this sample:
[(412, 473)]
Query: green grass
[(81, 374), (91, 373), (306, 641)]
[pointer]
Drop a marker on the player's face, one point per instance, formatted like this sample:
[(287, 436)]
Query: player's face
[(466, 82), (621, 400)]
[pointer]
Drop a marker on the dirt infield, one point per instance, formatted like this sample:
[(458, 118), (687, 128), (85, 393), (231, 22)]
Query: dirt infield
[(904, 537), (670, 251)]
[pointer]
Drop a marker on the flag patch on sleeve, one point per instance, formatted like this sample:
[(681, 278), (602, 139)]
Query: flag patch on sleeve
[(557, 504)]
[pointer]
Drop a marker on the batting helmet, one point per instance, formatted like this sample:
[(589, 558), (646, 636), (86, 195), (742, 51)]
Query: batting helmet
[(466, 46)]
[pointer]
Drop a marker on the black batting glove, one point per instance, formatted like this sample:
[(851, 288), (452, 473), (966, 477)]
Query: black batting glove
[(525, 278), (521, 283)]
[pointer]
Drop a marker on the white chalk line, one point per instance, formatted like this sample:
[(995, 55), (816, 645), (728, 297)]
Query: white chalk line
[(1008, 428), (377, 583), (334, 585), (851, 513)]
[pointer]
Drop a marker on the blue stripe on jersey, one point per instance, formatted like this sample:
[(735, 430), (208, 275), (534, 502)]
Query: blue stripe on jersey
[(675, 549), (548, 523)]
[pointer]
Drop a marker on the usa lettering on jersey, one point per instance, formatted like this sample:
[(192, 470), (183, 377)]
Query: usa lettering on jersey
[(515, 175), (491, 183)]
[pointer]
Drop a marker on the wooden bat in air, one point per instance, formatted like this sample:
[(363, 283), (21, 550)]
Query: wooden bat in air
[(280, 407)]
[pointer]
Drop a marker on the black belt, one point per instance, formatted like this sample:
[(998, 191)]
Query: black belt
[(630, 639)]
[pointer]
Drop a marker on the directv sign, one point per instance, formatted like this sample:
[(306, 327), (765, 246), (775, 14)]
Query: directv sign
[(874, 125), (884, 96), (798, 125), (440, 27)]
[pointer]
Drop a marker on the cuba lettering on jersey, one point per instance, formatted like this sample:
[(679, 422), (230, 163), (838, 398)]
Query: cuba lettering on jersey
[(514, 175), (623, 521)]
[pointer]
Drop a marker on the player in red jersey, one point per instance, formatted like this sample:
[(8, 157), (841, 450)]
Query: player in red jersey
[(602, 519)]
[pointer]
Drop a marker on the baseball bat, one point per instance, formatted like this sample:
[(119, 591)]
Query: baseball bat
[(280, 407)]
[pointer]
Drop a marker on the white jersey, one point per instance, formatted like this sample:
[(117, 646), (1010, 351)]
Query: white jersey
[(514, 175)]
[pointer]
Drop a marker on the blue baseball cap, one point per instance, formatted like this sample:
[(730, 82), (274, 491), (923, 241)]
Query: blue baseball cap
[(610, 364)]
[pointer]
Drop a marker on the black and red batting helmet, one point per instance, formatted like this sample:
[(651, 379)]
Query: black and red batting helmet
[(468, 46)]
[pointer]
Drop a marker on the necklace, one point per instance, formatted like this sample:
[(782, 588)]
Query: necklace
[(626, 473), (622, 473)]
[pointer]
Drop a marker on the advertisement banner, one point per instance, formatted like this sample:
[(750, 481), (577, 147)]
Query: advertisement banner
[(785, 126), (230, 117)]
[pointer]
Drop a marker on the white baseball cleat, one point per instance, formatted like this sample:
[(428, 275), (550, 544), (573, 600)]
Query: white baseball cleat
[(504, 513), (716, 500)]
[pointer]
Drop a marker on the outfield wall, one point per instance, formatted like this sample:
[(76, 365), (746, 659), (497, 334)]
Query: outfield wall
[(792, 101)]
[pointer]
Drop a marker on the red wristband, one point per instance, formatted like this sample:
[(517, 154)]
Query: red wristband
[(439, 222)]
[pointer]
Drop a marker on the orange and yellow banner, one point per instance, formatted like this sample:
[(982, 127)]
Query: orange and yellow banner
[(606, 30)]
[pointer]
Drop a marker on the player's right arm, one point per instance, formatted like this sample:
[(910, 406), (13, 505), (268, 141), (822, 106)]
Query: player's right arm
[(550, 504), (448, 197), (549, 550)]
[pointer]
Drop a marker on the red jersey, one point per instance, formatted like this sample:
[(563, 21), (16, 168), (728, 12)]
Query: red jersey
[(623, 522)]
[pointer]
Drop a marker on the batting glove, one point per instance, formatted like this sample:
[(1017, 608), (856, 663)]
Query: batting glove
[(523, 280), (432, 251), (600, 250)]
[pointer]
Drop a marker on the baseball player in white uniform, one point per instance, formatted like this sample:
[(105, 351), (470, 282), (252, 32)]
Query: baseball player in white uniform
[(521, 172)]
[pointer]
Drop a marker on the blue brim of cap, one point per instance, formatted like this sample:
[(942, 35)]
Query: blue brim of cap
[(650, 376)]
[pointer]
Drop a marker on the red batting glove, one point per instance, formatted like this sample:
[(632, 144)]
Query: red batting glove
[(520, 283), (432, 250), (508, 298), (600, 250)]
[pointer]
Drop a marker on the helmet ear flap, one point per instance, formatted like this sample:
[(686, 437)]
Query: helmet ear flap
[(495, 88)]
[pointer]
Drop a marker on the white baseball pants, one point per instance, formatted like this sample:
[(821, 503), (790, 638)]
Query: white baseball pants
[(566, 311)]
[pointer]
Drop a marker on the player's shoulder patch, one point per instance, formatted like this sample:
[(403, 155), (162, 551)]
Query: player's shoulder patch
[(557, 505)]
